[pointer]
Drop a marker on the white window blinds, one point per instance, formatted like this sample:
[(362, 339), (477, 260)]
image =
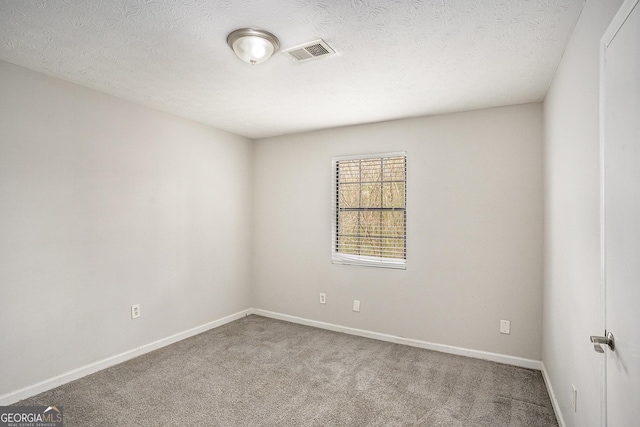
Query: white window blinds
[(370, 210)]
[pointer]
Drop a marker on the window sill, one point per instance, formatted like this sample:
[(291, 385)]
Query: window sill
[(368, 261)]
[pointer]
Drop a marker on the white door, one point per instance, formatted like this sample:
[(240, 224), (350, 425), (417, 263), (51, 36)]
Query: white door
[(620, 121)]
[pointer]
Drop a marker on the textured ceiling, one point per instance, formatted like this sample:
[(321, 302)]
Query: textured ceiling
[(396, 58)]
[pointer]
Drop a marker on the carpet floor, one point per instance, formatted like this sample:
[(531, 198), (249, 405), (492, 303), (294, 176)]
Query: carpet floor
[(258, 371)]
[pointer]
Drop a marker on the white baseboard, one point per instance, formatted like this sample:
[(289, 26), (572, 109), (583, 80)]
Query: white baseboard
[(460, 351), (58, 380), (552, 395)]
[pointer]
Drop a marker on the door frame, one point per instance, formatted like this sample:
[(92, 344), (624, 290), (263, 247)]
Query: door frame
[(612, 30)]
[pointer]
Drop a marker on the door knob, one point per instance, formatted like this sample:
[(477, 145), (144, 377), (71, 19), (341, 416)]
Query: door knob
[(608, 340)]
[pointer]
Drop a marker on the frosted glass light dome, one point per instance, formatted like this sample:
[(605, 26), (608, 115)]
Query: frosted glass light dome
[(252, 45)]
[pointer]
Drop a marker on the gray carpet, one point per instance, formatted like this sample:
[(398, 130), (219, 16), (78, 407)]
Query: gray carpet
[(263, 372)]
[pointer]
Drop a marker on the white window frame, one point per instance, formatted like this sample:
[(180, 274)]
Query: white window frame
[(362, 260)]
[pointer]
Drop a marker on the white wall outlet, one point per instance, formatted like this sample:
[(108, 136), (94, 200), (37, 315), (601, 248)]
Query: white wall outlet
[(135, 311), (574, 395), (356, 305), (505, 327), (323, 298)]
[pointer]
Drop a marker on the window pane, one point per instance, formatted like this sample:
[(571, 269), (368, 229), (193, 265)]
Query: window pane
[(371, 195), (371, 170), (349, 245), (370, 246), (393, 224), (349, 195), (348, 223), (394, 169), (393, 195), (393, 248), (370, 223), (349, 171)]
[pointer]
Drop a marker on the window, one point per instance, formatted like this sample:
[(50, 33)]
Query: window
[(370, 210)]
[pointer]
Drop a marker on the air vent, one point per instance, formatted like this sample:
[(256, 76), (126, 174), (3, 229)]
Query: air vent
[(308, 51)]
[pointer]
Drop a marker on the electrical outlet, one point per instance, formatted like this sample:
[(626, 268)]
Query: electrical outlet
[(574, 395), (135, 311), (323, 298), (356, 305), (505, 327)]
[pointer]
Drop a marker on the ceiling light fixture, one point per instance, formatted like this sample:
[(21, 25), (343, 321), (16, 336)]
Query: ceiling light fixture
[(252, 45)]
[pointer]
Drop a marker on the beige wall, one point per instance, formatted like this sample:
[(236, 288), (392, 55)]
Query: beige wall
[(475, 227), (572, 223), (104, 204)]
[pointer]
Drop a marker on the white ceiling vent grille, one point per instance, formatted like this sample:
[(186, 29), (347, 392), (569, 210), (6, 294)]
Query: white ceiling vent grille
[(309, 51)]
